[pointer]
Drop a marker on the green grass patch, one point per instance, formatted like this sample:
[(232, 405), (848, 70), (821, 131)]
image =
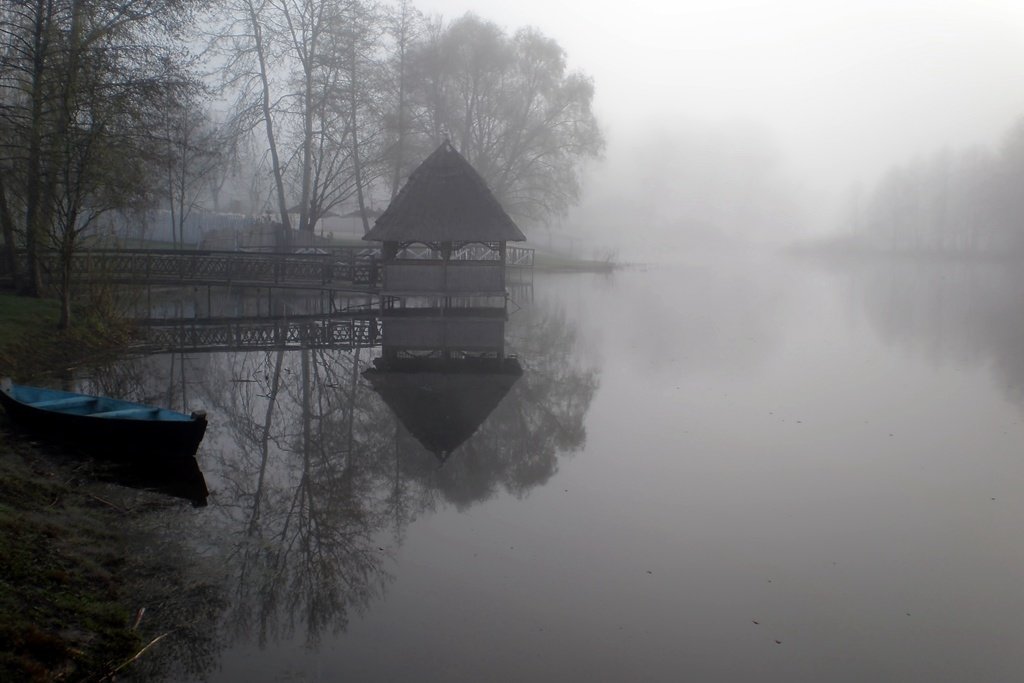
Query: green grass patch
[(31, 346), (22, 316), (61, 615)]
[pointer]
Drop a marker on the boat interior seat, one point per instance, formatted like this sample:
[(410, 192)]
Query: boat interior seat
[(69, 402), (128, 412)]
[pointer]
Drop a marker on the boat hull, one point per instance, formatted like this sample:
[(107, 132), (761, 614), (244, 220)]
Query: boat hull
[(167, 434)]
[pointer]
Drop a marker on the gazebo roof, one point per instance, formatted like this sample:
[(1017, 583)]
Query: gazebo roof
[(444, 200)]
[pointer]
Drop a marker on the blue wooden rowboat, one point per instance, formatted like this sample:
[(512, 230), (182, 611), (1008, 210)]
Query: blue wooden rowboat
[(103, 425)]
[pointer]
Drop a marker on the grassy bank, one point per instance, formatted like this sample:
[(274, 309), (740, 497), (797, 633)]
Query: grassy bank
[(31, 346), (63, 613), (22, 316), (94, 584)]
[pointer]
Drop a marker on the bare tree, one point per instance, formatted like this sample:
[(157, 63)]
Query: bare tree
[(298, 67), (79, 82), (360, 89), (27, 29), (10, 239), (194, 151), (350, 95), (403, 25), (252, 60)]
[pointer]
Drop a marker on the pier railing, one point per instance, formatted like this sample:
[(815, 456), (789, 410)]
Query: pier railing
[(166, 266), (519, 257), (210, 335), (336, 267)]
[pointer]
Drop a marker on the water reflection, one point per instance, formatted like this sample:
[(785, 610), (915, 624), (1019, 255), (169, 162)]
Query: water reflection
[(522, 412), (798, 487), (295, 501), (177, 478), (319, 459), (964, 314), (443, 403)]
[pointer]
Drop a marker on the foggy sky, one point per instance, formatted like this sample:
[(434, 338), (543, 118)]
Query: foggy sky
[(841, 89)]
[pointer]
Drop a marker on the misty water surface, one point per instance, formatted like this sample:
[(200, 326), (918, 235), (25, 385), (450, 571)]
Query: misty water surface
[(760, 470)]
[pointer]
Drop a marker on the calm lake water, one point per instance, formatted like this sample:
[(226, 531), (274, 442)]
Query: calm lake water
[(766, 469)]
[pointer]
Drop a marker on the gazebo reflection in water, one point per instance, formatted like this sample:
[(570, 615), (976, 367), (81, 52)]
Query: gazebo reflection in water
[(443, 303)]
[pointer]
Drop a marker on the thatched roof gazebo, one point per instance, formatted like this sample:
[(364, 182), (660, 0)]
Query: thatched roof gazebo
[(444, 233)]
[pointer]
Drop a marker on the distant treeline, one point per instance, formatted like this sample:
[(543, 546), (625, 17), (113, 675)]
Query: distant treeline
[(967, 201)]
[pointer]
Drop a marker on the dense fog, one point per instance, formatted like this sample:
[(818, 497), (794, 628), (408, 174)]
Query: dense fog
[(604, 130), (746, 403), (779, 120)]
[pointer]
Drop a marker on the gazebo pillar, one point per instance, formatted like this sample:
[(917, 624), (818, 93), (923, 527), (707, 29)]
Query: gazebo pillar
[(503, 251), (446, 256)]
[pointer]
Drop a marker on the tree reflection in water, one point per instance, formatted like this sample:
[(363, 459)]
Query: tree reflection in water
[(312, 477), (297, 494), (968, 313)]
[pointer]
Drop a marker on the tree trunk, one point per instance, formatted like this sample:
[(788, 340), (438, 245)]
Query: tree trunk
[(67, 231), (7, 223), (357, 167), (66, 253), (305, 225), (268, 120), (183, 210), (65, 296), (356, 164), (170, 197), (33, 177), (400, 141)]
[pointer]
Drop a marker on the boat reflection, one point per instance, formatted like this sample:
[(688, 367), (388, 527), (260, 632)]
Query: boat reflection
[(178, 478)]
